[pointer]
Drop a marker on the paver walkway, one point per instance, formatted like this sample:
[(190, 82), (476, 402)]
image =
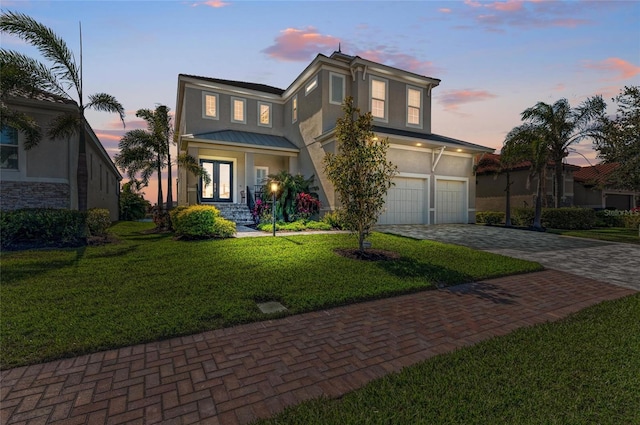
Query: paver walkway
[(234, 375)]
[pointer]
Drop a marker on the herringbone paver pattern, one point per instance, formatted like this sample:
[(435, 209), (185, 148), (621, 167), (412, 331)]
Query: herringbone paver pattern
[(234, 375)]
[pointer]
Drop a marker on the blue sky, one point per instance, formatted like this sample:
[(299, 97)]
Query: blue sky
[(495, 58)]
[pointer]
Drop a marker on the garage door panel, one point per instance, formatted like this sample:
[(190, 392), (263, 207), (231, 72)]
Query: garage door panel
[(450, 201), (405, 202)]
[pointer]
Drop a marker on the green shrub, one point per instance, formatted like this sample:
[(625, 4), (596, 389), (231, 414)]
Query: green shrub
[(631, 221), (43, 227), (295, 226), (334, 219), (201, 222), (132, 205), (174, 212), (605, 218), (522, 216), (318, 225), (223, 228), (98, 221), (490, 217), (568, 218)]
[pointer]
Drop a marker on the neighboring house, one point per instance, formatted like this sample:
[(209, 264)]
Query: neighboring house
[(592, 189), (491, 184), (45, 176), (241, 132)]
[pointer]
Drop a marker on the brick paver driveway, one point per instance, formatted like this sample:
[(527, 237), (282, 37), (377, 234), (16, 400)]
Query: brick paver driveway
[(611, 262)]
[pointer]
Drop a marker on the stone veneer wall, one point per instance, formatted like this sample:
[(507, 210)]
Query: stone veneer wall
[(15, 195)]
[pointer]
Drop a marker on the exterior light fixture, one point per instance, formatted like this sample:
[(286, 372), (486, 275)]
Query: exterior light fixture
[(458, 150), (375, 138), (418, 144), (274, 189)]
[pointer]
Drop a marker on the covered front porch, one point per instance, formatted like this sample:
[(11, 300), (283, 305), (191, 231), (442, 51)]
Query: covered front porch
[(237, 163)]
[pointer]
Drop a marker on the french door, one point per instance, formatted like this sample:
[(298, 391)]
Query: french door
[(221, 187)]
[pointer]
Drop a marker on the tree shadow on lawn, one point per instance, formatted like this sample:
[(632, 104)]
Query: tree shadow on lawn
[(411, 268), (485, 291)]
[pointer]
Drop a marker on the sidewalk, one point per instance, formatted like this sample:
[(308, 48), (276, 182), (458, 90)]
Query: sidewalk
[(235, 375)]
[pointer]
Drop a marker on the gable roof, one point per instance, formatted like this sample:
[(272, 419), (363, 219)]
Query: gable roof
[(242, 84), (595, 174), (247, 138)]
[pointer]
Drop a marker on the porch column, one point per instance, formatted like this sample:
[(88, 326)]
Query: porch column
[(249, 172)]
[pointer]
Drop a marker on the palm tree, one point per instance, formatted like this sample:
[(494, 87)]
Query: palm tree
[(63, 78), (560, 126), (145, 151), (500, 165), (527, 143)]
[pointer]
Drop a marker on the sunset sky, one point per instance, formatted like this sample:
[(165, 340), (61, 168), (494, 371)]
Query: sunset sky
[(494, 58)]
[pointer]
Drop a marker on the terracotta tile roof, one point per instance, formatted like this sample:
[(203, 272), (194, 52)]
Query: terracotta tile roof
[(596, 174)]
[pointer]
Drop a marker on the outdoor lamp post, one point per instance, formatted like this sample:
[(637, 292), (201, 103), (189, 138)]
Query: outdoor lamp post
[(274, 189)]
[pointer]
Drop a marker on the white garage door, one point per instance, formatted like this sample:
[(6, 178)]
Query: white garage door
[(405, 202), (450, 202)]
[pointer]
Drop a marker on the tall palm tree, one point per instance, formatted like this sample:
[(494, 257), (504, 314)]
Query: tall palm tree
[(62, 78), (561, 126), (145, 151), (527, 143)]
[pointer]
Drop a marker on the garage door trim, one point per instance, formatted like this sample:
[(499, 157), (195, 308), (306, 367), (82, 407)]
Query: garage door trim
[(465, 196)]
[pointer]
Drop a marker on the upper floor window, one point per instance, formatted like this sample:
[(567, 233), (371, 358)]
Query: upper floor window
[(337, 88), (210, 105), (379, 94), (264, 114), (414, 107), (311, 85), (238, 110), (294, 109), (9, 148)]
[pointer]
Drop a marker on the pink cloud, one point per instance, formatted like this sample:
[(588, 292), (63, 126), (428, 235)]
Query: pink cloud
[(301, 44), (212, 3), (505, 6), (452, 99), (622, 69), (444, 10), (559, 87)]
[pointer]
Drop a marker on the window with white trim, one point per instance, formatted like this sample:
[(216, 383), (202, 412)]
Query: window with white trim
[(264, 114), (238, 110), (414, 107), (336, 88), (210, 105), (378, 90), (294, 109), (262, 175), (311, 85), (9, 148)]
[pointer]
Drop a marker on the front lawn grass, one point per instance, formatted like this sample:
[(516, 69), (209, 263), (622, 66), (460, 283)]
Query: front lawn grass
[(584, 369), (611, 234), (65, 302)]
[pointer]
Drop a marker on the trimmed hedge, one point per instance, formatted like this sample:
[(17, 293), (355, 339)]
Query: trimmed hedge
[(201, 222), (43, 227), (604, 218), (631, 221), (98, 221), (490, 217), (557, 218)]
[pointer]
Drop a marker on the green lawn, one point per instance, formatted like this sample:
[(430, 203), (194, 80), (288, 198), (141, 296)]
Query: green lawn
[(584, 369), (64, 302), (611, 234)]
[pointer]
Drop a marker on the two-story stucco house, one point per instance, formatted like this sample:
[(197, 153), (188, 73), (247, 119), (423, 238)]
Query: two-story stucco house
[(45, 176), (241, 132)]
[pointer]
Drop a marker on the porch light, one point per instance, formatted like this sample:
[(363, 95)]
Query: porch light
[(418, 144), (274, 189)]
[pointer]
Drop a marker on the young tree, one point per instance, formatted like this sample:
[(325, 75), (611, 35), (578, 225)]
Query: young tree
[(618, 139), (498, 167), (526, 143), (559, 126), (359, 171), (62, 78)]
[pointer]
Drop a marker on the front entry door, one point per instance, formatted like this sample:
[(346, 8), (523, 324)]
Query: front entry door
[(221, 187)]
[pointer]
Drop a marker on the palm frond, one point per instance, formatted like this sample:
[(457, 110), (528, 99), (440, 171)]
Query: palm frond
[(23, 123), (106, 103), (20, 72), (192, 166), (64, 126)]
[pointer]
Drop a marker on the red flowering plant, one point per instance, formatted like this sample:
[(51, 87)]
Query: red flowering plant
[(306, 205), (260, 210)]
